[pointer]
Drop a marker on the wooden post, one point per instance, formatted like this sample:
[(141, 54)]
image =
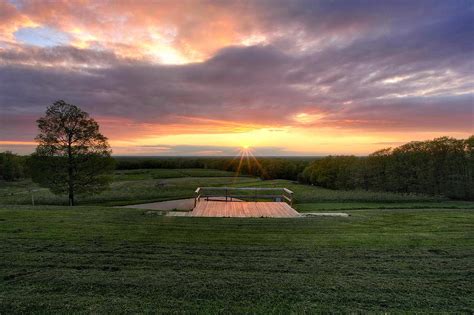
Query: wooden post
[(196, 196), (32, 198)]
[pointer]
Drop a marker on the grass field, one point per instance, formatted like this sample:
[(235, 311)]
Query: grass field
[(142, 186), (129, 187), (316, 206), (110, 260), (395, 253)]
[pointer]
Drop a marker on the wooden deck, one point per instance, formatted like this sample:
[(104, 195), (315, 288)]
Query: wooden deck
[(243, 209)]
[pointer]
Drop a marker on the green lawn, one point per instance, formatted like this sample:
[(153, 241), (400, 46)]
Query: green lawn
[(109, 260)]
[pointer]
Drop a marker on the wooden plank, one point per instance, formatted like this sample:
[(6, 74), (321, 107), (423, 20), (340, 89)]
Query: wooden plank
[(242, 196), (279, 210), (243, 209), (241, 188)]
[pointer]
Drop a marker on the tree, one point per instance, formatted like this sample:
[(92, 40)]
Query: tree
[(469, 167), (442, 166), (11, 166), (72, 157)]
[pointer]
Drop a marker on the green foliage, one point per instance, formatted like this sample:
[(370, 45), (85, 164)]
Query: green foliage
[(443, 166), (12, 166), (112, 260), (331, 172), (72, 156), (91, 173)]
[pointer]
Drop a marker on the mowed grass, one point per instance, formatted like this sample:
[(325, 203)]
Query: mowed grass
[(109, 260), (317, 206)]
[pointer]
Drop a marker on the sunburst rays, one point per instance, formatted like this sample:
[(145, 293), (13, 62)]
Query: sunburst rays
[(247, 157)]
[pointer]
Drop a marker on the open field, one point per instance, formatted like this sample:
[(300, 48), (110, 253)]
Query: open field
[(98, 259), (128, 187), (168, 173), (142, 186), (394, 253)]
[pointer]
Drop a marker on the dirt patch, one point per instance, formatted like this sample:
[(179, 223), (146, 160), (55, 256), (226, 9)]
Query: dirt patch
[(178, 213), (180, 204), (326, 214)]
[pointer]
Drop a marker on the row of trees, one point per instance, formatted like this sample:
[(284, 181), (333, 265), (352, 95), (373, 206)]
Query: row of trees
[(12, 166), (133, 163), (443, 166)]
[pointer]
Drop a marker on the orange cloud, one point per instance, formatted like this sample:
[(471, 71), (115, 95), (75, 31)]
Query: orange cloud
[(172, 32), (17, 142), (12, 20)]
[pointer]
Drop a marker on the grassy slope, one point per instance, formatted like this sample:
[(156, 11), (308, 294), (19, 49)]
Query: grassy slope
[(307, 194), (129, 187), (337, 206), (119, 260), (141, 186)]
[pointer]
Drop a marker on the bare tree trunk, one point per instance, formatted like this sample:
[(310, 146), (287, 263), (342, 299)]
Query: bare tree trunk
[(71, 196), (70, 174)]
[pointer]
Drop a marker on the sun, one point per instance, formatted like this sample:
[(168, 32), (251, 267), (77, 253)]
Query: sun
[(245, 146)]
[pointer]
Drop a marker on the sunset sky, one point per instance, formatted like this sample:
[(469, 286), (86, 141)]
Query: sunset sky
[(208, 77)]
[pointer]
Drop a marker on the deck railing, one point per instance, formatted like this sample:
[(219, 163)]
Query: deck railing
[(243, 194)]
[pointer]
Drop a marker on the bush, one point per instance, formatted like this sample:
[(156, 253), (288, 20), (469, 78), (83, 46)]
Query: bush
[(12, 166)]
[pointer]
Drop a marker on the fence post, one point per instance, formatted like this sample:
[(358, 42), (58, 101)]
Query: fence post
[(196, 196)]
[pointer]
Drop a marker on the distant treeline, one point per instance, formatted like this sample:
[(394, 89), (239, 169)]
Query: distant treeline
[(443, 166), (13, 166)]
